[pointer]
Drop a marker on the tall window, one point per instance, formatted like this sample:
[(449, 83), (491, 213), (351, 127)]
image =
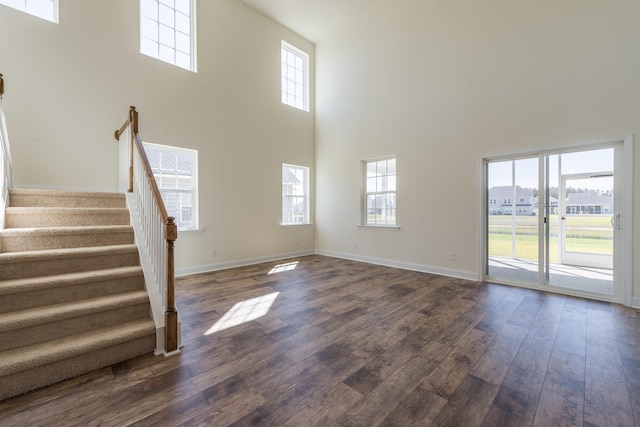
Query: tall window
[(295, 194), (380, 192), (295, 77), (167, 31), (176, 173), (45, 9)]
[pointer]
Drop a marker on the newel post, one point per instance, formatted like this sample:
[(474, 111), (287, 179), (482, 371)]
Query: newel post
[(133, 118), (171, 314)]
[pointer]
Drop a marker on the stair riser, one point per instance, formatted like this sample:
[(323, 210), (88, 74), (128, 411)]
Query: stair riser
[(40, 376), (44, 200), (67, 327), (35, 220), (76, 292), (52, 266), (61, 241)]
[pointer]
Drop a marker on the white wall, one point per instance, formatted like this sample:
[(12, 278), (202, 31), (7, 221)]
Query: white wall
[(69, 86), (441, 84)]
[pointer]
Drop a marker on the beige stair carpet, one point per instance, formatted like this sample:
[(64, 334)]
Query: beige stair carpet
[(72, 296)]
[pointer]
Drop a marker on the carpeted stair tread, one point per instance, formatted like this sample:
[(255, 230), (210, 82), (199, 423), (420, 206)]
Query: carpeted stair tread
[(30, 256), (42, 238), (47, 197), (41, 315), (58, 210), (23, 358), (55, 231), (31, 284), (36, 217)]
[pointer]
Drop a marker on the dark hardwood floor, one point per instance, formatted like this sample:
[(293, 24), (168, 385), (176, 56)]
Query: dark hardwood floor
[(351, 344)]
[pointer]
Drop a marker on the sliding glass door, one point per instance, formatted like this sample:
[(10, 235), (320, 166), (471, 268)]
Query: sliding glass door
[(513, 230), (552, 220)]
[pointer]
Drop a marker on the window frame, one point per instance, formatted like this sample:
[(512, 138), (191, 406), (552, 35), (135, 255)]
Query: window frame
[(383, 193), (194, 191), (55, 17), (192, 35), (306, 195), (285, 94)]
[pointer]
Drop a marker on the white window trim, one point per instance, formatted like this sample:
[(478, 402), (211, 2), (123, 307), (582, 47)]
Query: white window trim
[(363, 199), (307, 213), (296, 51), (192, 39)]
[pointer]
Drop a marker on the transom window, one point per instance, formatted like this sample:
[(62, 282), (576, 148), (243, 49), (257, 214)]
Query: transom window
[(45, 9), (167, 31), (380, 192), (295, 194), (176, 173), (295, 77)]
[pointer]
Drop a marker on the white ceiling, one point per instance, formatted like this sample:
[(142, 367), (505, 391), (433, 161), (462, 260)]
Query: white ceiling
[(312, 19)]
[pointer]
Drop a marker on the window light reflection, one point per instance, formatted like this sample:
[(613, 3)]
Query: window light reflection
[(243, 312), (283, 267)]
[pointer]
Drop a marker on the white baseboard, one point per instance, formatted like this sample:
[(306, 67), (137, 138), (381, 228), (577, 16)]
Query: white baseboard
[(635, 303), (240, 263), (450, 272)]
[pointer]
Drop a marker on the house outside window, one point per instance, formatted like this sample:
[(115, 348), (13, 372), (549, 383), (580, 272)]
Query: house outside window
[(380, 192), (295, 76), (176, 173), (45, 9), (295, 194), (167, 31)]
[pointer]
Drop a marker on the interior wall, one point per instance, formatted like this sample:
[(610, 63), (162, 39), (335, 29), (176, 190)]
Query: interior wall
[(69, 86), (442, 84)]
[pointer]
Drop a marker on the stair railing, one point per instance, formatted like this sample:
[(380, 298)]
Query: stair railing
[(156, 231), (6, 168)]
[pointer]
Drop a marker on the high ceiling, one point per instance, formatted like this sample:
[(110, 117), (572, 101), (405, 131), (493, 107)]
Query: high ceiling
[(312, 19)]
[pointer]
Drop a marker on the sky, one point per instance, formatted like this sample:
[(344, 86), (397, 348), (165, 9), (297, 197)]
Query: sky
[(500, 173)]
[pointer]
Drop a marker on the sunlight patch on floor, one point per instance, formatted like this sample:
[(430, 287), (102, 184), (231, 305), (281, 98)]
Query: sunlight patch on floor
[(243, 312), (284, 267)]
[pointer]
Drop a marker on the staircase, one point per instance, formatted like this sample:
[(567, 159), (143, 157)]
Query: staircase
[(72, 296)]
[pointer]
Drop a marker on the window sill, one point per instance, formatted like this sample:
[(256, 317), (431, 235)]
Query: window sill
[(384, 227), (192, 231)]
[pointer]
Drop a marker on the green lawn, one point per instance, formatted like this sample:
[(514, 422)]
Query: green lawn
[(584, 234)]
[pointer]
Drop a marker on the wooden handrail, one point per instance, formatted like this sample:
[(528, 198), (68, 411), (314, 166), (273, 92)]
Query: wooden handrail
[(1, 86), (170, 229)]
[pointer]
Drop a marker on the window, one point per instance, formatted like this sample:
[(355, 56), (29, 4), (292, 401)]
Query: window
[(167, 31), (176, 173), (295, 77), (380, 192), (45, 9), (295, 194)]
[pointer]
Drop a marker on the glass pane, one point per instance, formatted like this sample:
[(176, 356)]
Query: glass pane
[(381, 167), (183, 6), (183, 23), (149, 29), (371, 185), (588, 212), (587, 161), (41, 8), (512, 221), (149, 47), (183, 43), (167, 54), (167, 36), (166, 16), (391, 166), (391, 183), (150, 9)]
